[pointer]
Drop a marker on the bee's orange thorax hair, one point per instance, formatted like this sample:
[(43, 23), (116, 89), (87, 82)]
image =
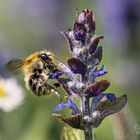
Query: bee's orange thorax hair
[(31, 59)]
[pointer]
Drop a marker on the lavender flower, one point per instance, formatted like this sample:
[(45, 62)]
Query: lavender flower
[(80, 82)]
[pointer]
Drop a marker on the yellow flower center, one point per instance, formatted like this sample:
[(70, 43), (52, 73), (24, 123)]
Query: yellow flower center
[(2, 91)]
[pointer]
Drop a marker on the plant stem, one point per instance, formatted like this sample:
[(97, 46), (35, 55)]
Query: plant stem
[(86, 118), (88, 134), (86, 107)]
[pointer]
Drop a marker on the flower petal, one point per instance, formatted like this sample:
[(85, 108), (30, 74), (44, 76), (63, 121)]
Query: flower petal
[(96, 100), (97, 73), (70, 104), (55, 75), (100, 72), (102, 68), (61, 105), (96, 88), (77, 66), (110, 96)]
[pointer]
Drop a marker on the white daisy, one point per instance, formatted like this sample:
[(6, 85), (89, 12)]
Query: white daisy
[(11, 94)]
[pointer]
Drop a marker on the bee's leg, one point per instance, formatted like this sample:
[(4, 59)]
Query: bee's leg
[(51, 89)]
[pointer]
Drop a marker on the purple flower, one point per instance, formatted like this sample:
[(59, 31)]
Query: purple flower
[(55, 75), (98, 73), (110, 97), (70, 104)]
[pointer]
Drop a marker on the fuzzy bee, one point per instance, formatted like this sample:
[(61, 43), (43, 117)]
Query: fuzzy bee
[(37, 69)]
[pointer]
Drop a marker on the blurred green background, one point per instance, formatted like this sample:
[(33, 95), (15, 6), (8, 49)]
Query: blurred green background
[(30, 25)]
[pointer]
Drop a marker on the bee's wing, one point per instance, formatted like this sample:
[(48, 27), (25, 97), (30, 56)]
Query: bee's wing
[(14, 66)]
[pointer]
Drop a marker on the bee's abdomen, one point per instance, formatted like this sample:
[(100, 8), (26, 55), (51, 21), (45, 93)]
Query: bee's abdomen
[(41, 89)]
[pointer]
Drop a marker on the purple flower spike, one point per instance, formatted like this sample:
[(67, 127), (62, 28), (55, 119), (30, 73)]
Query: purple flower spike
[(79, 78), (70, 104)]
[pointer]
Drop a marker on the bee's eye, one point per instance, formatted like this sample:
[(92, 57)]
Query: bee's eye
[(44, 57)]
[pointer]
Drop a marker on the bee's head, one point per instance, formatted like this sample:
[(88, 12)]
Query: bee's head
[(36, 61), (43, 56), (46, 56)]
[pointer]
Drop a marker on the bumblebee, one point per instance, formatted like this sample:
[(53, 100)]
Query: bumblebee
[(37, 69)]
